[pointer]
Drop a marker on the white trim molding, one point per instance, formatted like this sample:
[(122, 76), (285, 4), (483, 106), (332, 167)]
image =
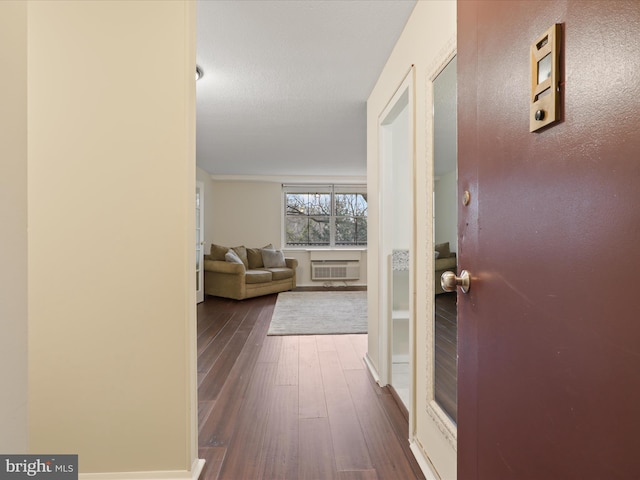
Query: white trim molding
[(423, 460), (372, 369), (295, 179), (193, 474)]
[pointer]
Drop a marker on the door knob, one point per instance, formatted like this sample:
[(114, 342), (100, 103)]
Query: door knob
[(449, 281)]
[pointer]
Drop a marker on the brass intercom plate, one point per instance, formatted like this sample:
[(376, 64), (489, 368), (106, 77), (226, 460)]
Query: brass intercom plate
[(545, 79)]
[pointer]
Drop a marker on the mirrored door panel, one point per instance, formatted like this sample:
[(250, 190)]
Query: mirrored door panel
[(445, 238)]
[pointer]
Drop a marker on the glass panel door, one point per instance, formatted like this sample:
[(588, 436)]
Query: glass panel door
[(199, 242)]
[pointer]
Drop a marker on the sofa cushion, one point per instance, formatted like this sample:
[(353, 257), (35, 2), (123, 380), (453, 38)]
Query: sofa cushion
[(254, 256), (448, 263), (273, 258), (218, 252), (222, 266), (443, 250), (281, 273), (257, 276), (232, 256), (242, 253)]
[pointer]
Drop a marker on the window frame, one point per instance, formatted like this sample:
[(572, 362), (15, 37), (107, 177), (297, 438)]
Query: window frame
[(332, 190)]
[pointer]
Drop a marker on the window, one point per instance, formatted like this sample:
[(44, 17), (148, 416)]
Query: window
[(325, 215)]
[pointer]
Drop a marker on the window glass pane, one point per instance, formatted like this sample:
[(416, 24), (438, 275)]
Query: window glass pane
[(319, 231), (297, 203), (354, 204), (320, 204), (351, 231), (361, 231), (307, 231), (296, 230), (345, 230)]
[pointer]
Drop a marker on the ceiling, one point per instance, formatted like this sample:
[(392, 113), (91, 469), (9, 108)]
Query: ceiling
[(286, 82)]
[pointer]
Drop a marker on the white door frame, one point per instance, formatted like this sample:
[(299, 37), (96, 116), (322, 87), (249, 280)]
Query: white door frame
[(395, 105), (200, 242), (435, 444)]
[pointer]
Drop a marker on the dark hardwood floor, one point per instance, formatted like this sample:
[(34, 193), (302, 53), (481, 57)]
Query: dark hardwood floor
[(298, 407), (446, 368)]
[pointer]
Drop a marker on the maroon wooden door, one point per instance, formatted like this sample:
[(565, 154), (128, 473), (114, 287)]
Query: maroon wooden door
[(549, 334)]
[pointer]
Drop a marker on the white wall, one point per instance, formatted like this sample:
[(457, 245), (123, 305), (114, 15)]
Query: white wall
[(446, 210), (402, 199), (250, 213), (13, 218), (111, 181), (429, 33)]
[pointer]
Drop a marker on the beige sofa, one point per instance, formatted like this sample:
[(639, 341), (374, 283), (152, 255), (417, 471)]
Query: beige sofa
[(445, 261), (225, 276)]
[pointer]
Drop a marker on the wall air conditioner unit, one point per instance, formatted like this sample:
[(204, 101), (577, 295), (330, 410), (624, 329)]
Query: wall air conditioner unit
[(335, 270)]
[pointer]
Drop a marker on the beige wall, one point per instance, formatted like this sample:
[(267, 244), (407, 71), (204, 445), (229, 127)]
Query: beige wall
[(429, 31), (13, 218), (111, 177), (246, 213)]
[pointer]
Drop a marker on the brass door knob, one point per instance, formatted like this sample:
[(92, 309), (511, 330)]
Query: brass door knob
[(449, 281)]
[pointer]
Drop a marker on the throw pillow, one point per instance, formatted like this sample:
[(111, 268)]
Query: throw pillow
[(218, 252), (232, 257), (242, 253), (273, 258), (443, 250), (437, 254), (254, 256)]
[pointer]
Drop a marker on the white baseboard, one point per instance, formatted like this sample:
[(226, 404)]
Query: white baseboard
[(196, 470), (372, 368), (423, 461)]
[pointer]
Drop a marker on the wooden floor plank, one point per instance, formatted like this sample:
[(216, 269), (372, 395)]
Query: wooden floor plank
[(359, 475), (219, 370), (214, 348), (220, 425), (213, 458), (311, 390), (348, 441), (204, 410), (287, 373), (360, 344), (398, 419), (271, 349), (245, 446), (316, 450), (349, 358), (387, 454), (325, 343), (209, 329), (279, 453)]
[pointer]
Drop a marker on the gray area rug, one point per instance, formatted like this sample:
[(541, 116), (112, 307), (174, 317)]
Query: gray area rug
[(319, 313)]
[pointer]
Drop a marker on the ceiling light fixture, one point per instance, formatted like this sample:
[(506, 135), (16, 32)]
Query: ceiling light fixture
[(199, 73)]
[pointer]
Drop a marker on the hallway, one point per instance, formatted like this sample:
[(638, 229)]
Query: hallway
[(297, 407)]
